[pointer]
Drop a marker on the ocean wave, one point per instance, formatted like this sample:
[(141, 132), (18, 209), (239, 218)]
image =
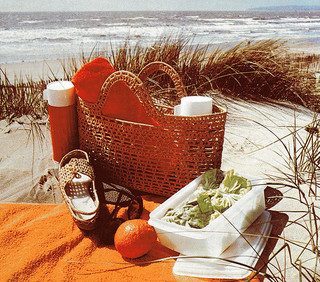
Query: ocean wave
[(246, 21), (31, 21), (267, 18), (218, 20), (210, 20), (114, 24), (291, 20), (35, 34), (192, 17), (95, 36), (315, 28), (48, 39), (73, 20), (140, 18)]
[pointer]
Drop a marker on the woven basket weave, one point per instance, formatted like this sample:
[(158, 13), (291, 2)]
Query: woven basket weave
[(155, 159)]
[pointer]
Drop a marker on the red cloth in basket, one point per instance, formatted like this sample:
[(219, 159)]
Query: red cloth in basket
[(121, 103)]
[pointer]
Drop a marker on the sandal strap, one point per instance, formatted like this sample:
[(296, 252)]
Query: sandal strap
[(74, 166), (68, 172)]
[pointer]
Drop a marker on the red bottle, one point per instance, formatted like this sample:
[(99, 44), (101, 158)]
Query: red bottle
[(62, 117)]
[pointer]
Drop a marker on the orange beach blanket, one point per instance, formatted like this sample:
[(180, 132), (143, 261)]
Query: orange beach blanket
[(41, 243)]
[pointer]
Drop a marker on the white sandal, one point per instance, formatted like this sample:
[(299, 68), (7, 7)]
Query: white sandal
[(77, 186)]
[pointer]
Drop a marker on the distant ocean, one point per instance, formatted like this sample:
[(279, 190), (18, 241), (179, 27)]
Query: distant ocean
[(38, 36)]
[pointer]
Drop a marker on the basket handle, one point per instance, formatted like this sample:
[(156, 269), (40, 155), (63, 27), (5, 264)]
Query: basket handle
[(135, 85), (151, 68)]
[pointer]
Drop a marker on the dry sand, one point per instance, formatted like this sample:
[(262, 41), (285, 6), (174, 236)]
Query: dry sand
[(25, 156), (303, 47), (34, 69)]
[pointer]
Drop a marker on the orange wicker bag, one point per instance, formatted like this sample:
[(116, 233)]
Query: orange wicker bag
[(158, 159)]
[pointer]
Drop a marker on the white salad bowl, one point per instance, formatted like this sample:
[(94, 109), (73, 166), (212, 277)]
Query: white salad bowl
[(219, 234)]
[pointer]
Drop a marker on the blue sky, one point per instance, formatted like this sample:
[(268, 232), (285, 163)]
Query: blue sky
[(138, 5)]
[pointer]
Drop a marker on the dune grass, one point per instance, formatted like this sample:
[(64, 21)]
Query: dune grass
[(262, 71), (299, 182), (21, 97)]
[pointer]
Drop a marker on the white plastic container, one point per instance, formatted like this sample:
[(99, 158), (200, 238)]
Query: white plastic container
[(237, 261), (219, 234), (194, 106)]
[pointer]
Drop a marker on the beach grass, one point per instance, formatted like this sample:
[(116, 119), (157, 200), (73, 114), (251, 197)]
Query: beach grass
[(299, 183), (22, 96), (260, 71)]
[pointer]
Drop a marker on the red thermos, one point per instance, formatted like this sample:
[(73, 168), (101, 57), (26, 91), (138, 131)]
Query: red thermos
[(62, 117)]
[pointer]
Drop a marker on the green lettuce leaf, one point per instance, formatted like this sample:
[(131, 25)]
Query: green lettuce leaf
[(212, 178), (204, 202), (235, 184), (197, 218), (215, 194)]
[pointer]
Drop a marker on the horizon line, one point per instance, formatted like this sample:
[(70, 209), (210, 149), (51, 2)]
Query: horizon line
[(270, 8), (257, 9)]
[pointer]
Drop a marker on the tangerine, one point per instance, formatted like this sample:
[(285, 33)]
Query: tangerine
[(134, 238)]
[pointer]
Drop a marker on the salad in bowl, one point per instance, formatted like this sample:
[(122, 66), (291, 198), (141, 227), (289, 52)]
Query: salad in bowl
[(217, 192)]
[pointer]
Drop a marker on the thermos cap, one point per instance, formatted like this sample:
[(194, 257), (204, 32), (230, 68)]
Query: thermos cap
[(60, 93)]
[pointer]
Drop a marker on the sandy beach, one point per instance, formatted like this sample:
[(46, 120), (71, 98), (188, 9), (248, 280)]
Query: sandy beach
[(25, 158), (34, 70)]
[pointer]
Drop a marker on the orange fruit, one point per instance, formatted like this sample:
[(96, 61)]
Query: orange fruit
[(134, 238)]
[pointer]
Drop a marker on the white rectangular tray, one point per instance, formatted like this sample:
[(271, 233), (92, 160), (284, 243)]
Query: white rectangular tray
[(245, 250), (219, 234)]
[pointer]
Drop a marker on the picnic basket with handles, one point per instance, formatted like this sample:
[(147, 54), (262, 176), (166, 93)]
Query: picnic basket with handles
[(158, 159)]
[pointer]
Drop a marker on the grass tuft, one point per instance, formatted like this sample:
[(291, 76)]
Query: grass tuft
[(260, 71)]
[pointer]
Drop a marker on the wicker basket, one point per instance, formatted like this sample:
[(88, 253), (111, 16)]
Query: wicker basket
[(155, 159)]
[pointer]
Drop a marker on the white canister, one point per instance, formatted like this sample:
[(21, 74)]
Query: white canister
[(195, 106)]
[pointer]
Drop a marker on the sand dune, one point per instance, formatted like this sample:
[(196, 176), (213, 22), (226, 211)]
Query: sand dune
[(24, 158)]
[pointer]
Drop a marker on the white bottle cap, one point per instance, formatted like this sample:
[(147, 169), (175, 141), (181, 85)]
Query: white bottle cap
[(60, 94)]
